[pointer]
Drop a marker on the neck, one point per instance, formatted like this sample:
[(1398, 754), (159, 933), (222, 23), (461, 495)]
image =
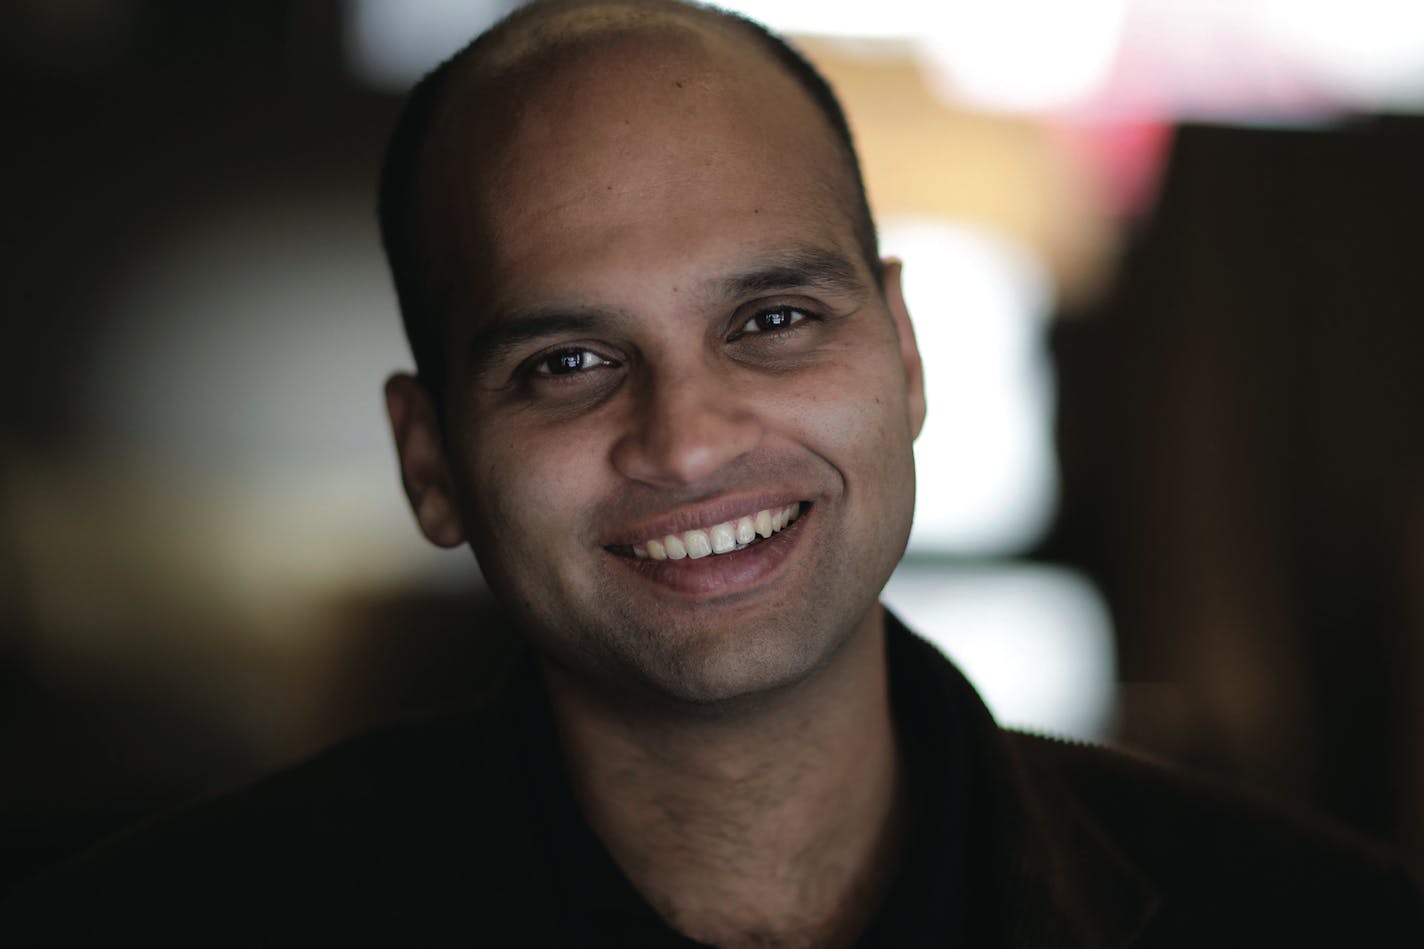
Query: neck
[(776, 824)]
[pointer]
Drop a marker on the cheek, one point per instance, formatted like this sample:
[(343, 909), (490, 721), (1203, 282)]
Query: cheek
[(854, 411), (530, 487), (857, 419)]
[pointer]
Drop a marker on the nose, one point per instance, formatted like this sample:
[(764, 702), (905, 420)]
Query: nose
[(684, 426)]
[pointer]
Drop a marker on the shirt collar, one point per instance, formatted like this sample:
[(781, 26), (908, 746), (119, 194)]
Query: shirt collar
[(1041, 872), (1031, 867)]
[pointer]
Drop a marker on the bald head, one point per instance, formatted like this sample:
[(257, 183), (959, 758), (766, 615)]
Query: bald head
[(542, 80)]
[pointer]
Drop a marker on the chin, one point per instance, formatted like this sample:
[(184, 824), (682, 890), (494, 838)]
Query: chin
[(738, 666)]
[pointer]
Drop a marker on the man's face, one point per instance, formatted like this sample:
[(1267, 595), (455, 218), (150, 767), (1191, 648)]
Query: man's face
[(669, 327)]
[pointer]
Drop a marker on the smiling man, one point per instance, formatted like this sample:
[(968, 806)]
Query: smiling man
[(671, 409), (667, 392), (677, 393)]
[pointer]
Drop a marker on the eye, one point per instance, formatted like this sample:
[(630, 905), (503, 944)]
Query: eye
[(567, 362), (770, 321)]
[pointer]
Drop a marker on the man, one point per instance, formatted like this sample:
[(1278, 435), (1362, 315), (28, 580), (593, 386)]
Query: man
[(676, 429), (667, 392)]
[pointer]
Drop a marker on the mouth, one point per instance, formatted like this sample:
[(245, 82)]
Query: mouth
[(735, 556), (715, 540)]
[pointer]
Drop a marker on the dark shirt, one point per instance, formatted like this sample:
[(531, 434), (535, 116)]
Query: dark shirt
[(465, 832), (922, 908)]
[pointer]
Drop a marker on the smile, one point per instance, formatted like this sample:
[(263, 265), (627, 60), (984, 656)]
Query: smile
[(724, 538)]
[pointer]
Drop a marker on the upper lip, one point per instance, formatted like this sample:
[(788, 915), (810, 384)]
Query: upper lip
[(703, 514)]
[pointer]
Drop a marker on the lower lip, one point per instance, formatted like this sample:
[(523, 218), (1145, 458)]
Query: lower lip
[(723, 573)]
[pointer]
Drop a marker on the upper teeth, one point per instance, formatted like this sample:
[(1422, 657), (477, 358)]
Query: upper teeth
[(719, 538)]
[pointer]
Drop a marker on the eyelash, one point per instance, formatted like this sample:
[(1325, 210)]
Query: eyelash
[(796, 315), (538, 367)]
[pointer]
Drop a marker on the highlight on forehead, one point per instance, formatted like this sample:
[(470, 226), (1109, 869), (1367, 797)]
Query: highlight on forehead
[(553, 63), (537, 64), (547, 54)]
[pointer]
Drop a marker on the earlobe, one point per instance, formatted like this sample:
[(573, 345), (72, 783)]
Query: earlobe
[(909, 350), (425, 470)]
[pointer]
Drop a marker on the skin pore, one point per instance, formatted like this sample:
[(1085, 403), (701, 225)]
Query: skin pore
[(664, 322)]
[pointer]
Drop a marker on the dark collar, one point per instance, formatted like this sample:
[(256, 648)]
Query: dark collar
[(495, 827), (1042, 873)]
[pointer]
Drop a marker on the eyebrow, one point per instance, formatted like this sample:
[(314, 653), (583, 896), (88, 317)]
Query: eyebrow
[(797, 267), (510, 330)]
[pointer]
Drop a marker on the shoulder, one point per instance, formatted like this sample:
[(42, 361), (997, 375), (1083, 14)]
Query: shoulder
[(310, 842), (1221, 857)]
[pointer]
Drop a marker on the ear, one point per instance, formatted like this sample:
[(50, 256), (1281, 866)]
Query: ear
[(909, 351), (425, 470)]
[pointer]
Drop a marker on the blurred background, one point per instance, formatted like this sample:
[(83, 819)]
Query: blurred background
[(1165, 259)]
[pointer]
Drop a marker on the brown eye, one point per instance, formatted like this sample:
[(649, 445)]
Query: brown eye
[(566, 362), (777, 318)]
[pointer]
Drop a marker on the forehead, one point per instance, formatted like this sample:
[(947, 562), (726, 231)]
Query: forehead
[(622, 149)]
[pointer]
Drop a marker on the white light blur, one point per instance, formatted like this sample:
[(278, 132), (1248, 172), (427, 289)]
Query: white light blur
[(241, 369), (985, 459), (1144, 59), (1024, 55), (1011, 54), (1153, 59), (1036, 642), (1366, 50), (392, 43), (885, 19)]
